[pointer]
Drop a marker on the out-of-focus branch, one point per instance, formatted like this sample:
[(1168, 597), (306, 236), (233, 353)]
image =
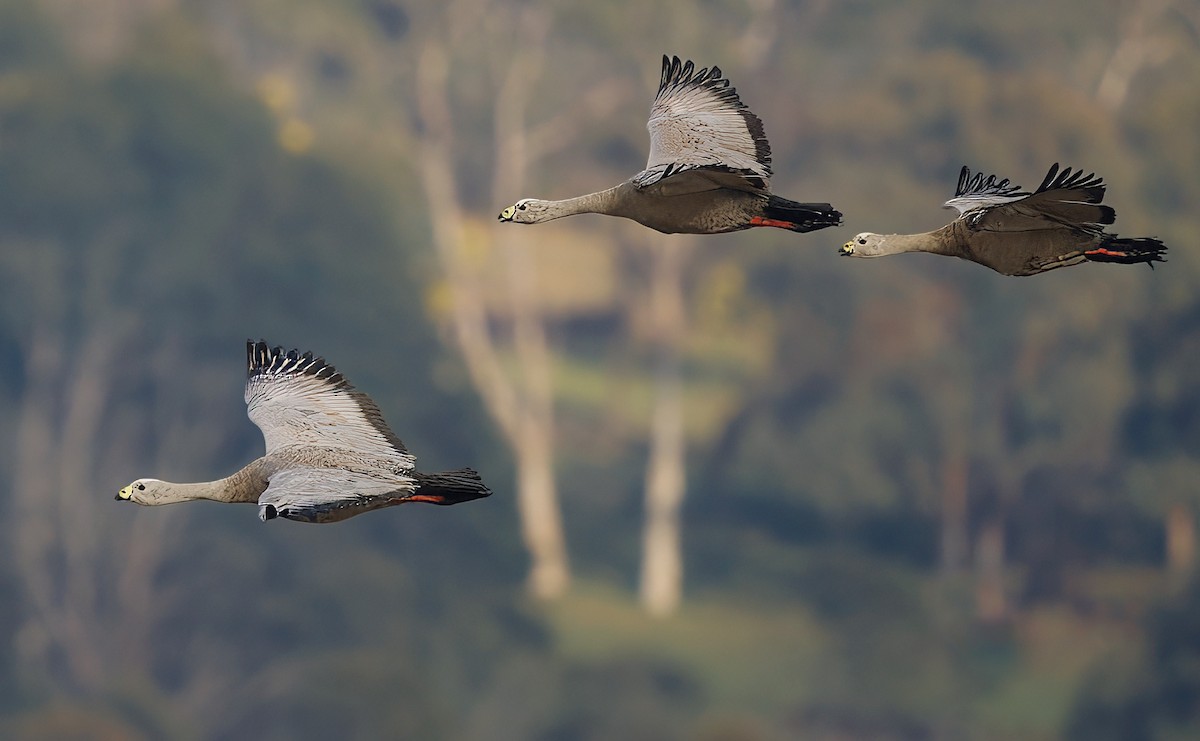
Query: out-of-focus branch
[(33, 491), (541, 517), (446, 219), (760, 33), (562, 131), (89, 387), (523, 408), (1139, 47)]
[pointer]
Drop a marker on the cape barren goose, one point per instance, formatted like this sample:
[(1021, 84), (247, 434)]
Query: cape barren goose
[(329, 455), (1016, 232), (708, 172)]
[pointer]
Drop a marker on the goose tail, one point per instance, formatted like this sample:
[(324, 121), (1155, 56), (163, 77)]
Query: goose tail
[(797, 217), (449, 487), (1128, 251)]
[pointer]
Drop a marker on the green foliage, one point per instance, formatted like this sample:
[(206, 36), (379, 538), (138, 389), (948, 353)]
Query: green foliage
[(1152, 695)]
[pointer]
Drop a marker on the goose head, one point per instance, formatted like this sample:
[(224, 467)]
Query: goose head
[(524, 211), (142, 491), (865, 244)]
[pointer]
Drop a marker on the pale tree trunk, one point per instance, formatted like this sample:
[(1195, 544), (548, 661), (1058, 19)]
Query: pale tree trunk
[(661, 586), (760, 32), (661, 581), (1012, 466), (524, 422), (1180, 528), (1138, 47), (522, 406), (537, 492), (1008, 472), (524, 409), (991, 599)]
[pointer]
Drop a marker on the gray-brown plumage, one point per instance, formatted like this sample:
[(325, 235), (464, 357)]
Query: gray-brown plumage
[(330, 455), (708, 172), (1016, 232)]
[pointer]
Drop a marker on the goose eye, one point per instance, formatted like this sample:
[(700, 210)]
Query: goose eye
[(521, 207), (141, 487), (861, 240)]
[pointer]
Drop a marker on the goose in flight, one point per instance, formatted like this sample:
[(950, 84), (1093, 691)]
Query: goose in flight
[(709, 169), (330, 455), (1016, 232)]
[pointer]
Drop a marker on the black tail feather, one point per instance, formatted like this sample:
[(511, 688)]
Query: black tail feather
[(449, 487), (1128, 251), (801, 217)]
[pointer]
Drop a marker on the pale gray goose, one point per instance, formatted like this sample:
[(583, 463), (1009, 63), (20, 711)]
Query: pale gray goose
[(1016, 232), (708, 172), (330, 455)]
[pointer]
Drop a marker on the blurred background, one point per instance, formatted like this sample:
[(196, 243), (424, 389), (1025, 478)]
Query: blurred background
[(745, 490)]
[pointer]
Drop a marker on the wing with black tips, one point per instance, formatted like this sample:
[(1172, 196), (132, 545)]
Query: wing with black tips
[(1065, 199), (297, 399), (696, 122), (976, 192)]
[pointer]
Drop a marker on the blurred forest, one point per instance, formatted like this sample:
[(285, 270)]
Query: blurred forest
[(745, 490)]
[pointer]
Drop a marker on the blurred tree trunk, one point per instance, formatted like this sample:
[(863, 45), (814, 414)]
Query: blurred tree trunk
[(946, 385), (52, 623), (991, 592), (991, 600), (760, 33), (662, 560), (91, 600), (536, 488), (63, 563), (1009, 466), (954, 539), (1180, 530), (522, 406), (953, 400), (1138, 47), (661, 580), (523, 410)]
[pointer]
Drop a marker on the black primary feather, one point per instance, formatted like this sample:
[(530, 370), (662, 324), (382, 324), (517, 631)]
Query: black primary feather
[(265, 360), (1083, 188), (978, 185), (1067, 180)]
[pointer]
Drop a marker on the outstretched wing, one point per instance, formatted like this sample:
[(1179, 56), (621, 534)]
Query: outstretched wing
[(331, 494), (300, 400), (1064, 199), (697, 121), (979, 192)]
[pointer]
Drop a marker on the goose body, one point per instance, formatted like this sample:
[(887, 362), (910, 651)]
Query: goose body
[(1015, 232), (708, 171), (330, 455)]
